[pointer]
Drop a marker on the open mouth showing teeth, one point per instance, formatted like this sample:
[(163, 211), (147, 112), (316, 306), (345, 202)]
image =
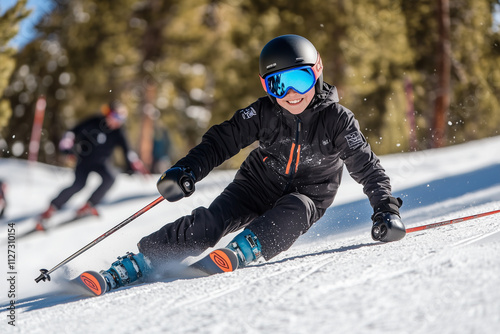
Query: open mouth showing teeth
[(294, 101)]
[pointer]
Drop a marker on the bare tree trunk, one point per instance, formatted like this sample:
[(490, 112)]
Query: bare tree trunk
[(410, 115), (147, 126), (442, 101)]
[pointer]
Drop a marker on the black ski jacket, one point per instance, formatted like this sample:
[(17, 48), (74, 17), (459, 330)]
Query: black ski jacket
[(95, 141), (303, 153)]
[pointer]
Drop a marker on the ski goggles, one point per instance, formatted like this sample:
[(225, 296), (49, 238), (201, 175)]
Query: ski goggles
[(118, 117), (300, 79)]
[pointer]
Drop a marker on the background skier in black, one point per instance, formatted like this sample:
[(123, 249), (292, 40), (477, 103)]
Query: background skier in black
[(3, 200), (93, 142), (285, 185)]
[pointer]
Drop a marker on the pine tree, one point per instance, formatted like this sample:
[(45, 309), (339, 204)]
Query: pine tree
[(189, 64), (9, 27), (474, 99), (82, 58)]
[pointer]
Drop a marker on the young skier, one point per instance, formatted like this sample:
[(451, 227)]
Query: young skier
[(285, 185), (93, 142)]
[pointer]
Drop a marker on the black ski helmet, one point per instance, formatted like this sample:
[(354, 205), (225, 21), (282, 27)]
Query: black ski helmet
[(290, 51)]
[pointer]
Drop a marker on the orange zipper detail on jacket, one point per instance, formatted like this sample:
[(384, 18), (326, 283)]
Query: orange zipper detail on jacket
[(290, 158), (298, 159)]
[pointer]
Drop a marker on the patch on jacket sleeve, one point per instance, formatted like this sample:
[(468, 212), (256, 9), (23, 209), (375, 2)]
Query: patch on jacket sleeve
[(354, 140), (248, 112)]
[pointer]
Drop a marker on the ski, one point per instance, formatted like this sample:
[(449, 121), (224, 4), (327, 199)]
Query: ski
[(92, 282), (219, 261), (216, 262), (43, 227)]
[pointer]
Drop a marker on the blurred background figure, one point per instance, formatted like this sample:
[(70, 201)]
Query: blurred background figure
[(3, 201), (161, 150), (92, 143)]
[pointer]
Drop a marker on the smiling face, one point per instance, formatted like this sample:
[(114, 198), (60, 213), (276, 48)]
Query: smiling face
[(296, 103)]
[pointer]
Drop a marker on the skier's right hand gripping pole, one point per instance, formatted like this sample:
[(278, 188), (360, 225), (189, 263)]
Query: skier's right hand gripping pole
[(176, 183), (387, 224)]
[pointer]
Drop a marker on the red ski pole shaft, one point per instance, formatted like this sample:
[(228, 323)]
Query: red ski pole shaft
[(451, 221), (45, 273)]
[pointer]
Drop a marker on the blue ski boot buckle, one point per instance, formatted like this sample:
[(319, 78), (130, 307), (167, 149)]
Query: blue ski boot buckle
[(126, 269), (247, 247)]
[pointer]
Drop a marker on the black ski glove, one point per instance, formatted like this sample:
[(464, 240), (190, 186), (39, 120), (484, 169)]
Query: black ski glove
[(387, 224), (176, 183)]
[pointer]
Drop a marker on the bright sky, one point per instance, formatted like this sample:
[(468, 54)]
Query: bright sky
[(496, 18), (27, 32)]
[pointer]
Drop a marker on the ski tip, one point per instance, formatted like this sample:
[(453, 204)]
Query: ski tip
[(39, 226), (219, 261), (93, 282), (224, 259)]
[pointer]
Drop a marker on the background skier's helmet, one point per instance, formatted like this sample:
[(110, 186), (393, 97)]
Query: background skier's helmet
[(290, 51)]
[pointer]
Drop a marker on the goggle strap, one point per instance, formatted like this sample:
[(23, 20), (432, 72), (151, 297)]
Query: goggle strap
[(318, 67)]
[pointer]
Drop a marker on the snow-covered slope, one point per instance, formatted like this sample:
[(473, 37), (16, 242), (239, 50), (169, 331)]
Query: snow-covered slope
[(335, 279)]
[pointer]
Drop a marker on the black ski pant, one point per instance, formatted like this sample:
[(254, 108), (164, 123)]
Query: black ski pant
[(82, 172), (277, 221)]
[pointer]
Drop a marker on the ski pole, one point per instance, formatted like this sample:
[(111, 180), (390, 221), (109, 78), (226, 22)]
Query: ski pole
[(451, 221), (45, 273)]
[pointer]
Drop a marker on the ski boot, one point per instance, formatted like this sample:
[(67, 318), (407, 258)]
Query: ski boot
[(125, 270), (247, 247), (40, 224), (87, 210)]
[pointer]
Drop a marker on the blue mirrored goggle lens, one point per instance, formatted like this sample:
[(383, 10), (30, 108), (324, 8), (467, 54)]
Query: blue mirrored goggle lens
[(299, 79)]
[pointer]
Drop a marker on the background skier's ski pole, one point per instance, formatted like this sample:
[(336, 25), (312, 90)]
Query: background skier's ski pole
[(45, 273), (449, 222)]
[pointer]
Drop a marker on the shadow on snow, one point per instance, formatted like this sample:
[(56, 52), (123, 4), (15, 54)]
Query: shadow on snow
[(355, 216)]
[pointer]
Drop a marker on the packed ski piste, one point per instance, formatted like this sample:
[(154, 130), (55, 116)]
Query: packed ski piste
[(410, 243), (444, 279)]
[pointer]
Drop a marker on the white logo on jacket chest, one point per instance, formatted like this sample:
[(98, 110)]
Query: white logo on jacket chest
[(248, 113)]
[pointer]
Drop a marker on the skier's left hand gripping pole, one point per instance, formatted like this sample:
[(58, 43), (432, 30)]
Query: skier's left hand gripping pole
[(45, 273)]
